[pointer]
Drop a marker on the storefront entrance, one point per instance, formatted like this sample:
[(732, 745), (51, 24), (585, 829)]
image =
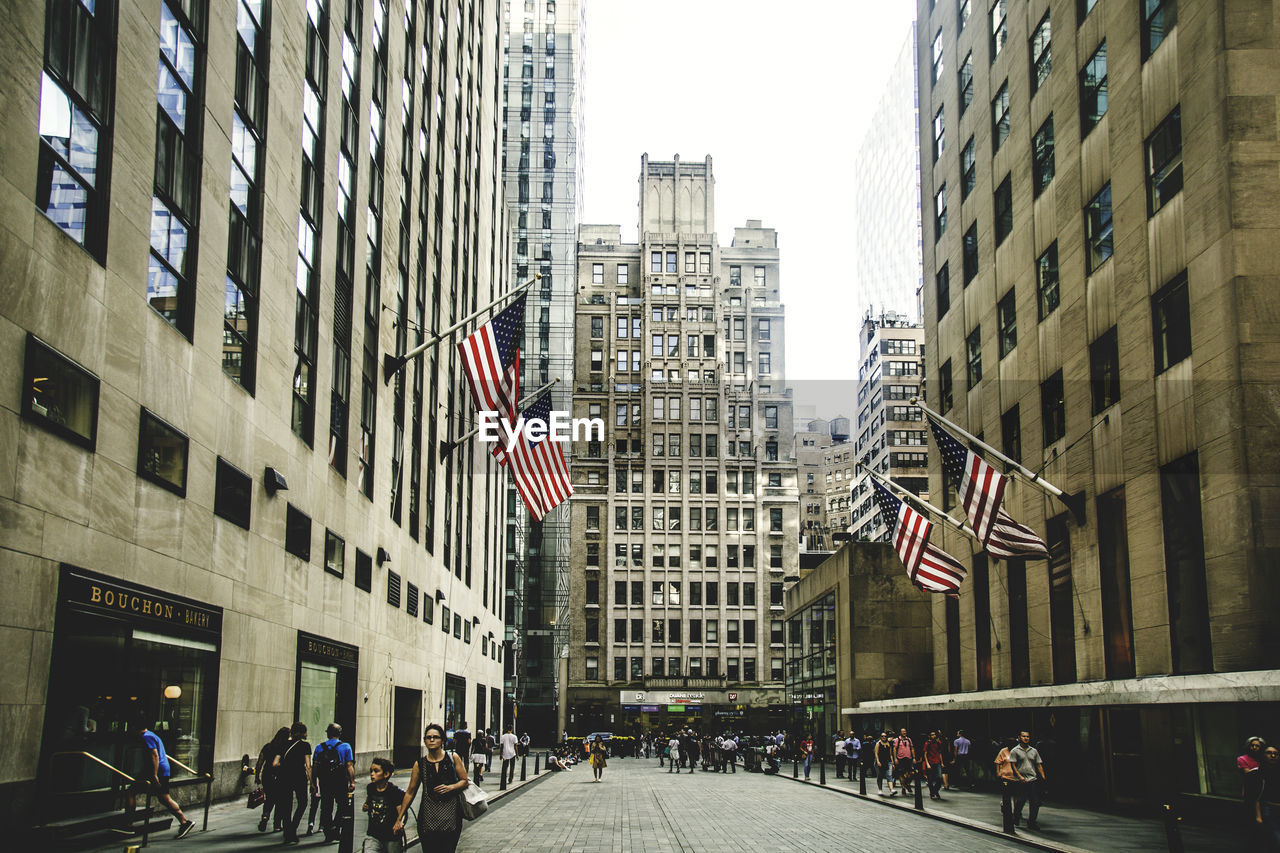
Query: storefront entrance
[(407, 726), (326, 686), (124, 653), (455, 702)]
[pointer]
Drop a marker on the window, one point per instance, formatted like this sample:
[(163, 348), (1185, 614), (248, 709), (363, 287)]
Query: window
[(690, 262), (1113, 571), (232, 494), (758, 276), (973, 356), (1003, 204), (1184, 560), (1007, 315), (1047, 280), (592, 591), (671, 261), (592, 668), (764, 329), (968, 170), (1164, 161), (964, 9), (1000, 117), (765, 366), (597, 273), (1104, 370), (335, 554), (966, 82), (735, 276), (999, 29), (970, 254), (593, 518), (655, 262), (775, 519), (1158, 17), (1093, 90), (942, 288), (1042, 165), (1053, 415), (1171, 323), (1041, 61), (1011, 434), (937, 59), (76, 94), (1083, 8), (770, 417), (60, 395), (162, 454), (364, 582), (297, 533), (945, 398), (940, 213), (1098, 229), (939, 134)]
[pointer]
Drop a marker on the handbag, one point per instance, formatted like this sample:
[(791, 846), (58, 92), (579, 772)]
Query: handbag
[(475, 801), (256, 798)]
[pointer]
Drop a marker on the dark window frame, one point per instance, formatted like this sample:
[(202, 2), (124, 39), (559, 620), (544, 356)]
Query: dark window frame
[(1093, 90), (227, 478), (942, 289), (1170, 305), (973, 357), (1099, 230), (1002, 209), (295, 542), (1164, 161), (1053, 409), (40, 355), (1104, 371), (1007, 323), (970, 254), (148, 416), (1048, 291), (1043, 166)]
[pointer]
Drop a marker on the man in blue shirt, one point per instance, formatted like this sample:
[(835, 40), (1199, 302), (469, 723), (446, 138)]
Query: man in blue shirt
[(333, 776), (961, 746), (155, 778)]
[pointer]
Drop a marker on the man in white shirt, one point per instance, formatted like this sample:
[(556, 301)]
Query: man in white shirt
[(510, 746), (840, 755)]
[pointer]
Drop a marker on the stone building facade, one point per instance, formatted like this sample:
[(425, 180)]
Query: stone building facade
[(687, 512), (1100, 203), (217, 516)]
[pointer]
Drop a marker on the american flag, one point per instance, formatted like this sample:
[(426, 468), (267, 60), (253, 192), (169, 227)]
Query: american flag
[(538, 467), (928, 566), (491, 361), (981, 488)]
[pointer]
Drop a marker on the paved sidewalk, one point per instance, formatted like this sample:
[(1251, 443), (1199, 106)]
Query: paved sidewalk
[(1061, 827), (641, 808), (232, 827)]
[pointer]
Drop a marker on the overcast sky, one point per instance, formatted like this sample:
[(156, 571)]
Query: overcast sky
[(779, 95)]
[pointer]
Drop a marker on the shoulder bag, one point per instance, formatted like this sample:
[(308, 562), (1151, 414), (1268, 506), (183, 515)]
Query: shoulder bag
[(475, 800)]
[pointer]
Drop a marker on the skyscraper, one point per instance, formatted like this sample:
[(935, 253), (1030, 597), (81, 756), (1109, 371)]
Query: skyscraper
[(542, 167), (688, 511), (886, 194)]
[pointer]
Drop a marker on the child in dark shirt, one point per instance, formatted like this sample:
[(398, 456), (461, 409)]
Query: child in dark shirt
[(382, 803)]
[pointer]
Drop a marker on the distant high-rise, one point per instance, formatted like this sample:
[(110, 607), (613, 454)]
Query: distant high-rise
[(686, 516), (542, 168), (886, 194)]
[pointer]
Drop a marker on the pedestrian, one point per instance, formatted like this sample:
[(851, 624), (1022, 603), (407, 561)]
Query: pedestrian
[(154, 778), (462, 742), (853, 754), (932, 759), (1030, 770), (443, 777), (960, 747), (806, 751), (598, 762), (333, 776), (689, 749), (1267, 804), (525, 740), (884, 764), (268, 775), (904, 760), (1008, 776), (382, 804), (510, 749), (479, 757), (841, 757), (1250, 761), (673, 753), (295, 777), (730, 750)]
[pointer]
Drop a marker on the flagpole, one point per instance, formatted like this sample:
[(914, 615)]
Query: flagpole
[(906, 493), (392, 364), (1075, 502), (449, 446)]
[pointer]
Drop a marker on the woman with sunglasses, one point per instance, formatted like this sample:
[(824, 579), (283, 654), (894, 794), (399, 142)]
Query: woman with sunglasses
[(443, 776)]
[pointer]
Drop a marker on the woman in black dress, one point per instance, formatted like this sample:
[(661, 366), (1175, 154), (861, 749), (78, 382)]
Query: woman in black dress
[(443, 776), (294, 765), (269, 777)]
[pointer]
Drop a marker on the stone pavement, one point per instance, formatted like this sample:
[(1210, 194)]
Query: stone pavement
[(234, 828), (641, 807), (1061, 827)]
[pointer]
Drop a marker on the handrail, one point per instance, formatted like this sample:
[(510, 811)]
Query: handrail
[(93, 757), (190, 770)]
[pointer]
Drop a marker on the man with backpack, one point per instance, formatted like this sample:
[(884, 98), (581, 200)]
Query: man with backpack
[(333, 775), (462, 743)]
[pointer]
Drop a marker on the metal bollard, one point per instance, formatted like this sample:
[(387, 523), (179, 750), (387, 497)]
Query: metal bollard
[(1006, 808), (862, 780), (502, 782), (915, 783), (347, 824), (524, 766), (1172, 833), (822, 770), (537, 756), (795, 769)]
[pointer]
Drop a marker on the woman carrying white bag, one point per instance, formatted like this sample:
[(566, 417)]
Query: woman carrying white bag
[(447, 796)]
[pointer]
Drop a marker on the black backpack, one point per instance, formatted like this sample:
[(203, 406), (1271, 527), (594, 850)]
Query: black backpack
[(327, 764)]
